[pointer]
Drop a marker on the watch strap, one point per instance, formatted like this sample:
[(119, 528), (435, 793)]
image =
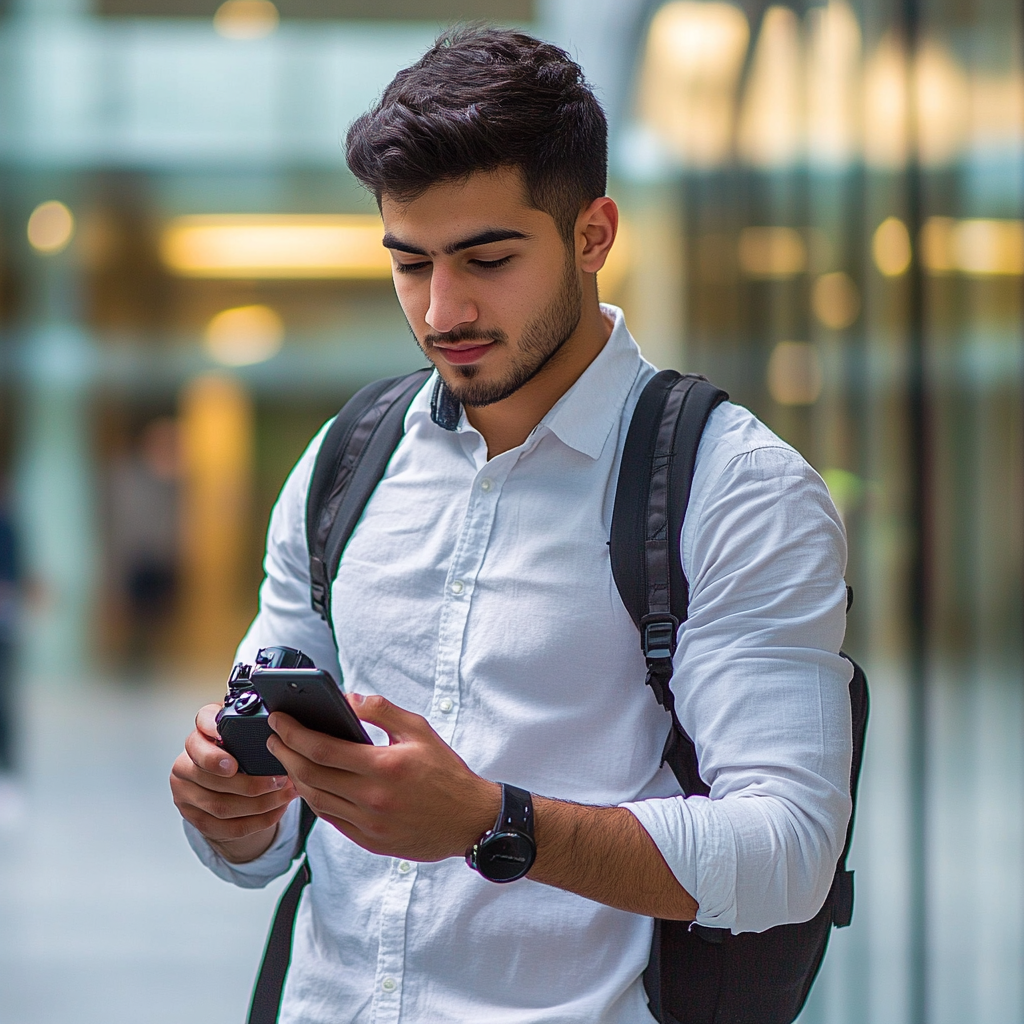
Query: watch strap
[(516, 814)]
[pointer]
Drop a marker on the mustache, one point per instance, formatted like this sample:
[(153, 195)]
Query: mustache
[(468, 334)]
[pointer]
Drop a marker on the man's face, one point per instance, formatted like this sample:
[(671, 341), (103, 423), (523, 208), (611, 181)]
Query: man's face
[(486, 282)]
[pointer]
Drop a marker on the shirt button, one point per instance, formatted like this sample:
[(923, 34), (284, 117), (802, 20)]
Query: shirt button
[(446, 705), (458, 586), (389, 984), (405, 867), (486, 484)]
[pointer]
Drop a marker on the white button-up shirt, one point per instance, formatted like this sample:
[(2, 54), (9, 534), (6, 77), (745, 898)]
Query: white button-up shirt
[(479, 594)]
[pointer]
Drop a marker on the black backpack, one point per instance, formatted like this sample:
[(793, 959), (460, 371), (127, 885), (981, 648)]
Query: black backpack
[(696, 975)]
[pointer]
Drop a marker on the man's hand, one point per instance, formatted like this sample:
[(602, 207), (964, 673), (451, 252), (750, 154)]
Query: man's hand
[(238, 814), (419, 800), (415, 798)]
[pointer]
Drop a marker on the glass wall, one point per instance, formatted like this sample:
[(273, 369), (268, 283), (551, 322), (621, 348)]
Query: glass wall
[(845, 184)]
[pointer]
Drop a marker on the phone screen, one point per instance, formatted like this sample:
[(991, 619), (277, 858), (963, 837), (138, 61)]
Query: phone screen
[(312, 698)]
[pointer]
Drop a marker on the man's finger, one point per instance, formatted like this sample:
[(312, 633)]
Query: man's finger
[(208, 756), (319, 747), (241, 785), (228, 805), (206, 721), (399, 724)]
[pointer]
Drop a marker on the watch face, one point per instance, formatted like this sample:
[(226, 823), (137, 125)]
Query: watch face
[(505, 856)]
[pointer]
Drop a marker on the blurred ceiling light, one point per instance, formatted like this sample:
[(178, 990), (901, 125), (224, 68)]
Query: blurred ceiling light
[(794, 373), (996, 109), (246, 19), (976, 247), (833, 80), (772, 118), (51, 227), (276, 246), (885, 105), (772, 252), (835, 300), (691, 68), (942, 98), (244, 335), (890, 247)]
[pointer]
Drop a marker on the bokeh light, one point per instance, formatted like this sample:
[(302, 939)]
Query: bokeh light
[(794, 373), (244, 335), (890, 247), (51, 227), (835, 300), (246, 19)]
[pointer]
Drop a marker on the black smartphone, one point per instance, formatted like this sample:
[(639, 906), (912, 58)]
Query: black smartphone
[(312, 698)]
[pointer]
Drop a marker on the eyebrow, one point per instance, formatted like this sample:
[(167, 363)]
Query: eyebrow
[(485, 237)]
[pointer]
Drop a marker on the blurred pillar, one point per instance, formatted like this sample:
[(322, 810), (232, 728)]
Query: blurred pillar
[(55, 476), (216, 419), (654, 294)]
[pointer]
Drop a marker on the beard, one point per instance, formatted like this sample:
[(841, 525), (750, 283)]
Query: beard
[(542, 338)]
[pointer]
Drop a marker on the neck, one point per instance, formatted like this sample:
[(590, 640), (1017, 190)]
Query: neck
[(507, 424)]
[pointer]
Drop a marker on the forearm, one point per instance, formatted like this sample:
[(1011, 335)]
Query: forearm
[(606, 855)]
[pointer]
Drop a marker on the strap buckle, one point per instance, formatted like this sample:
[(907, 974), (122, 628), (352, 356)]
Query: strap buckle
[(658, 637)]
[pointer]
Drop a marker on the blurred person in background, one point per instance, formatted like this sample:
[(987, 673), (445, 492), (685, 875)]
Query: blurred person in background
[(479, 628), (12, 587), (144, 538)]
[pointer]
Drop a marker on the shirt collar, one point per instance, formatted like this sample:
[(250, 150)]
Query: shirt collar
[(584, 416)]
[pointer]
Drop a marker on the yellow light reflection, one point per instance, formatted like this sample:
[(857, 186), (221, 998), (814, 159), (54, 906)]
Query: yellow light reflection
[(244, 335), (772, 252), (694, 55), (771, 130), (885, 105), (975, 247), (246, 19), (794, 373), (51, 227), (890, 247), (276, 246), (833, 78), (835, 300), (942, 98)]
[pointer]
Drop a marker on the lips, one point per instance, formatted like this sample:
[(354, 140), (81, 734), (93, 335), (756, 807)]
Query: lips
[(463, 354)]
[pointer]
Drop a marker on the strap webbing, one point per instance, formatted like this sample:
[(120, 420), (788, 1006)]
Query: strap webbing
[(266, 996)]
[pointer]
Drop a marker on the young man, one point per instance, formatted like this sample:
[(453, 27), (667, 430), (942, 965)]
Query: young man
[(479, 627)]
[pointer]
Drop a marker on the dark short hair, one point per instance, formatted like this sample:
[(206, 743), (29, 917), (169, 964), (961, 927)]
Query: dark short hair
[(481, 99)]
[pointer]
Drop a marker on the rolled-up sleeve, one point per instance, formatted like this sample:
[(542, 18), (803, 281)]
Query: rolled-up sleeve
[(763, 692)]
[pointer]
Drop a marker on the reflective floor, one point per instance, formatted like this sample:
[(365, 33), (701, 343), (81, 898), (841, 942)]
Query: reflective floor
[(106, 917)]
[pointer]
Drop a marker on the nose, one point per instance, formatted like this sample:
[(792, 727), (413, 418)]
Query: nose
[(450, 305)]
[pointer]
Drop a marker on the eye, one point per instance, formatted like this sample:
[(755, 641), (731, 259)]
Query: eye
[(410, 268), (491, 264)]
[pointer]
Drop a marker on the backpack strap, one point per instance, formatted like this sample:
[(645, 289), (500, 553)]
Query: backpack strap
[(352, 459), (651, 496), (266, 996)]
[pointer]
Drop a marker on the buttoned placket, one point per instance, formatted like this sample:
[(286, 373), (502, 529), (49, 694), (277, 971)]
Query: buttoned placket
[(468, 557)]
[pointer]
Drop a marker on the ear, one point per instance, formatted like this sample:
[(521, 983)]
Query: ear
[(596, 227)]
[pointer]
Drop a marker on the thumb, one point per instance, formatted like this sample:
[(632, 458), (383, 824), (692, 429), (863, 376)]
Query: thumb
[(398, 723)]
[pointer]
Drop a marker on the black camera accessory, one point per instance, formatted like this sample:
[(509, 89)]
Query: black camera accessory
[(507, 851), (242, 722)]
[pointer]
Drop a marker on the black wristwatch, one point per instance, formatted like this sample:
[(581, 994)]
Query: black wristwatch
[(508, 850)]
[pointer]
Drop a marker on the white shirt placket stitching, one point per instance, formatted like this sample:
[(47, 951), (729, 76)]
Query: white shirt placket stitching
[(459, 585), (387, 989)]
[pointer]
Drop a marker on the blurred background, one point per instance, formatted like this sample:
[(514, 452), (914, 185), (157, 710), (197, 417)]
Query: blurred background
[(823, 210)]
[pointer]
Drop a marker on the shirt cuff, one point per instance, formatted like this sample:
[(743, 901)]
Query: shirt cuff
[(257, 873), (699, 847)]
